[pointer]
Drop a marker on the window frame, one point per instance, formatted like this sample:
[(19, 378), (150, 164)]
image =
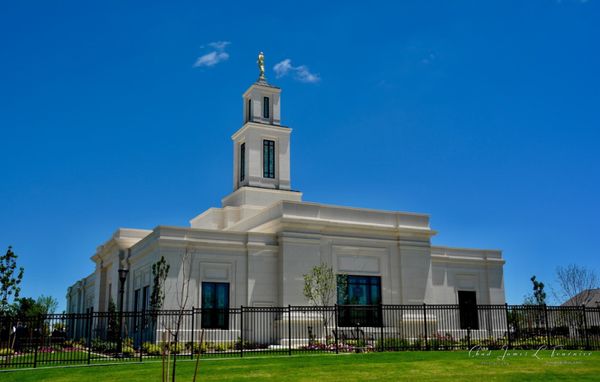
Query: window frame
[(269, 154), (369, 314), (242, 161), (215, 317), (266, 108)]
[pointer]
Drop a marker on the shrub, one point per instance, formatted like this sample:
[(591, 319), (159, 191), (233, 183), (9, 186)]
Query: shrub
[(392, 344), (356, 343), (6, 351), (127, 341), (128, 351), (173, 348), (69, 344), (196, 348), (103, 346), (434, 344), (157, 349), (418, 343), (151, 349), (177, 348), (492, 343), (73, 344), (239, 344)]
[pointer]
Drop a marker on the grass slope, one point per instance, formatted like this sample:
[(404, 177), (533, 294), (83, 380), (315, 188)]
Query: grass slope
[(413, 366)]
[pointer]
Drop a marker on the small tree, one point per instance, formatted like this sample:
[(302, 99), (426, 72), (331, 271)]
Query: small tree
[(47, 304), (160, 270), (113, 328), (10, 280), (320, 285), (28, 307), (575, 284), (536, 299), (538, 291), (182, 295), (320, 288)]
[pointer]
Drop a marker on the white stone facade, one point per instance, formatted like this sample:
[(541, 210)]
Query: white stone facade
[(264, 238)]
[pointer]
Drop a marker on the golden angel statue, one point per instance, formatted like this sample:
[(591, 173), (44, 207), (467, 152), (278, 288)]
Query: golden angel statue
[(261, 64)]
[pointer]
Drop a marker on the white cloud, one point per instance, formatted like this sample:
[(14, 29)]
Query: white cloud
[(213, 58), (282, 68), (300, 73), (304, 75), (219, 45)]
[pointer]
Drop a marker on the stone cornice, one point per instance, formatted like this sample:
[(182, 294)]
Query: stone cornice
[(442, 254), (262, 84), (327, 219), (261, 126), (168, 236), (465, 260), (121, 239)]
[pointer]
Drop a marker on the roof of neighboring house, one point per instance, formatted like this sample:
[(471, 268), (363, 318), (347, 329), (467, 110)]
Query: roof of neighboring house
[(592, 298)]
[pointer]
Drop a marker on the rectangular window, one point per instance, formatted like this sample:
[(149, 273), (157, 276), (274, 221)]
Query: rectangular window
[(146, 298), (215, 305), (249, 111), (109, 297), (467, 307), (268, 159), (242, 162), (136, 300), (359, 298), (136, 308), (266, 107)]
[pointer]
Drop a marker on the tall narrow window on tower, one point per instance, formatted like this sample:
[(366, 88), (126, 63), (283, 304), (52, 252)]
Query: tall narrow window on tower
[(249, 110), (242, 162), (266, 107), (268, 159)]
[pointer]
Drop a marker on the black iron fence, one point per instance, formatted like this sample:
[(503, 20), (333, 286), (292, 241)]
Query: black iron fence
[(97, 337)]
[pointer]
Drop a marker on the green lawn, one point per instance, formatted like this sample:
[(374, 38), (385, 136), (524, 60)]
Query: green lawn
[(413, 366)]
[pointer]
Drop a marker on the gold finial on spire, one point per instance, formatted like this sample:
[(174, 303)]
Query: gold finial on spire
[(261, 65)]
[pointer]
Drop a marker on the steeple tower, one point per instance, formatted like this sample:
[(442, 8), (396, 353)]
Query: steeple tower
[(261, 148), (262, 145)]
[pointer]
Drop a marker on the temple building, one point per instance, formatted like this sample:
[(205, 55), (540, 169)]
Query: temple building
[(254, 249)]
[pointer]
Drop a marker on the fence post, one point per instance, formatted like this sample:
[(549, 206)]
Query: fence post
[(336, 334), (35, 354), (289, 330), (507, 324), (89, 334), (425, 325), (141, 329), (242, 331), (597, 321), (381, 330), (192, 339), (585, 329), (547, 325)]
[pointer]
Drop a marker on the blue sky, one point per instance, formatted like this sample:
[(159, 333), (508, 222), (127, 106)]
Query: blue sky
[(485, 115)]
